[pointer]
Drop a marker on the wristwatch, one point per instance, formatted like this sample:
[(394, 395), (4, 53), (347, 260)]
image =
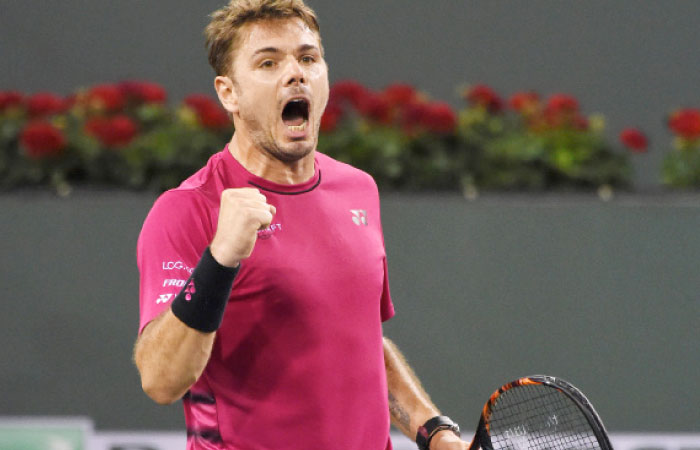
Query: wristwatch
[(431, 427)]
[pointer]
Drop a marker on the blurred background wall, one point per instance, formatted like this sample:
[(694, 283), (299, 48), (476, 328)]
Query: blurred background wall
[(605, 295), (602, 294)]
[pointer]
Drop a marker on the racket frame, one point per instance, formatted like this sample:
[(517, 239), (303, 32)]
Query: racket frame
[(482, 438)]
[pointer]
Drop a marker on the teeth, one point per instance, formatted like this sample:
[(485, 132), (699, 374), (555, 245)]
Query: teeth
[(301, 127)]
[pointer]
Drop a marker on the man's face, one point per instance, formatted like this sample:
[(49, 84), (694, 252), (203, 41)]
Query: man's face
[(281, 82)]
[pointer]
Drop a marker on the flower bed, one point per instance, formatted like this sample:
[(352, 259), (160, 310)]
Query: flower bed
[(119, 135), (124, 134)]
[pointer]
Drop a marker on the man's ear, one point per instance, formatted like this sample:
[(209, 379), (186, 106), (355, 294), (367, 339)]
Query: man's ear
[(227, 93)]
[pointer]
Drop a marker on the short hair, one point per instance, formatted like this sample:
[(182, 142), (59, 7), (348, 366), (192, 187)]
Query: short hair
[(222, 33)]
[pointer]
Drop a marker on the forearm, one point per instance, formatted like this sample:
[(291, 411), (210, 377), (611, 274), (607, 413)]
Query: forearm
[(409, 404), (170, 357)]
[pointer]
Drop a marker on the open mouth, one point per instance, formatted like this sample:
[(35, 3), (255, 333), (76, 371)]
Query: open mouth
[(295, 114)]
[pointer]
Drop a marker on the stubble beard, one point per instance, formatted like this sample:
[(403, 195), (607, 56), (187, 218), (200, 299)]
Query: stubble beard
[(265, 140)]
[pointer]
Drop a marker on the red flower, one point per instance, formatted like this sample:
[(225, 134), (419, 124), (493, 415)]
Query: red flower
[(209, 113), (686, 123), (400, 94), (143, 92), (437, 117), (524, 102), (562, 103), (375, 107), (348, 91), (112, 132), (41, 139), (440, 118), (331, 118), (634, 140), (562, 110), (412, 117), (9, 99), (106, 97), (45, 104), (483, 95)]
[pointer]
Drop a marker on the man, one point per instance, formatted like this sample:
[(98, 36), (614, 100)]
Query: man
[(290, 355)]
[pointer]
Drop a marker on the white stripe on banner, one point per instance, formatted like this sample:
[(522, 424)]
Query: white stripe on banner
[(58, 433), (620, 441)]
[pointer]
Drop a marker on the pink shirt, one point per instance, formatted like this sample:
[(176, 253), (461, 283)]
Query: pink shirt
[(298, 362)]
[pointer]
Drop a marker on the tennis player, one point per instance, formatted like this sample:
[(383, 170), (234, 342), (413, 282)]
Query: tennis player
[(263, 277)]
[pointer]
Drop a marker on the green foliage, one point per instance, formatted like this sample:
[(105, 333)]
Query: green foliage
[(681, 167), (395, 159)]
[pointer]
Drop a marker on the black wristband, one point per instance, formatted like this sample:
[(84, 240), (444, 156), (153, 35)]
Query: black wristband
[(432, 426), (202, 302)]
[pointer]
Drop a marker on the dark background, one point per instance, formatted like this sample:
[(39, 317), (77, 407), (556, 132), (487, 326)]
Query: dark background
[(632, 60), (602, 294)]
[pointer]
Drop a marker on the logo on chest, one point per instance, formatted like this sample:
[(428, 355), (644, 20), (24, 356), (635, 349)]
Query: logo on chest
[(359, 217), (269, 231)]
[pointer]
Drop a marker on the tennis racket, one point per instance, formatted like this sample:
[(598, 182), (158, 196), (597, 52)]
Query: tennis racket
[(539, 413)]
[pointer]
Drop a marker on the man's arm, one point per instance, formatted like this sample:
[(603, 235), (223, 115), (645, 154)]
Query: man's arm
[(174, 348), (170, 357), (409, 405)]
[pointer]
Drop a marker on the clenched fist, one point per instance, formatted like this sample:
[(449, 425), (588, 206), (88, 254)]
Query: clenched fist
[(243, 212)]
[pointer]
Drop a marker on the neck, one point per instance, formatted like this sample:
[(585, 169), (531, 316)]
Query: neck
[(262, 164)]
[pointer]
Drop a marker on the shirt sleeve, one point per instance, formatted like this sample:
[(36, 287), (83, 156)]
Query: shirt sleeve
[(387, 307), (174, 235)]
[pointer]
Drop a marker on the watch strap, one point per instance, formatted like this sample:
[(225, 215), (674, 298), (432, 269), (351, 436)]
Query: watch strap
[(431, 427)]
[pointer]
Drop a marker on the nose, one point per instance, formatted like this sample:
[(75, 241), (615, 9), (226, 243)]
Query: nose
[(294, 73)]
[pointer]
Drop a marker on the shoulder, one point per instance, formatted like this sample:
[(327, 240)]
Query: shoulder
[(176, 214), (334, 171), (185, 214), (196, 194), (205, 180), (178, 202), (185, 203)]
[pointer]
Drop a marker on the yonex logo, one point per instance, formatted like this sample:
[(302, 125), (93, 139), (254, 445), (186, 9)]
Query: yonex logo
[(164, 298), (189, 290), (359, 216)]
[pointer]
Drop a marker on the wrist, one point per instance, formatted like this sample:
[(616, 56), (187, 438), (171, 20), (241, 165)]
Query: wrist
[(429, 431), (220, 256), (202, 301), (440, 436)]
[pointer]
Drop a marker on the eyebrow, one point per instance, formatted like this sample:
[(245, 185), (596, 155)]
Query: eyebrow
[(302, 48), (266, 50)]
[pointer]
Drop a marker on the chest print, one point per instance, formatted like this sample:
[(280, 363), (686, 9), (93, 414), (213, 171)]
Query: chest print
[(269, 231)]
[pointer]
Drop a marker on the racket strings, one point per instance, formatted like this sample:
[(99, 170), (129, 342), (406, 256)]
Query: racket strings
[(536, 417)]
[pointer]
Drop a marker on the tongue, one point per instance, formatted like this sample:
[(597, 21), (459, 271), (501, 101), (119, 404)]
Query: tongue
[(293, 121)]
